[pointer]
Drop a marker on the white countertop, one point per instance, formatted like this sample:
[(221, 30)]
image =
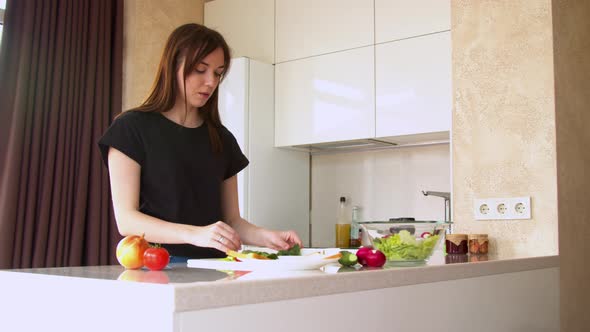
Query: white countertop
[(188, 289)]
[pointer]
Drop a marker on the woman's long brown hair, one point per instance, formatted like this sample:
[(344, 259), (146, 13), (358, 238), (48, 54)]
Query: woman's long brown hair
[(191, 42)]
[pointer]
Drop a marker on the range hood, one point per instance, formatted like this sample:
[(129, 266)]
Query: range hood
[(352, 145), (375, 143)]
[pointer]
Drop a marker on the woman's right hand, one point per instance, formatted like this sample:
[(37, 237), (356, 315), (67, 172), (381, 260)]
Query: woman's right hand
[(218, 235)]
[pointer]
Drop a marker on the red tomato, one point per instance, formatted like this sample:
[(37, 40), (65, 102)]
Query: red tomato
[(156, 258)]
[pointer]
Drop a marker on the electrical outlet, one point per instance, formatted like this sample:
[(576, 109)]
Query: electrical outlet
[(519, 207), (502, 208), (483, 209)]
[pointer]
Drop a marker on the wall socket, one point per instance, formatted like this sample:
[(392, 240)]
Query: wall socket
[(502, 208)]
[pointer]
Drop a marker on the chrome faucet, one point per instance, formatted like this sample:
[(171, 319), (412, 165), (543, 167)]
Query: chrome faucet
[(447, 197)]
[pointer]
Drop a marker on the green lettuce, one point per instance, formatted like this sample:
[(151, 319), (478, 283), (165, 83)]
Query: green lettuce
[(295, 250), (403, 246)]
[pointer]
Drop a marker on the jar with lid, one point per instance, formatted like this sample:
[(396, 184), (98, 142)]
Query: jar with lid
[(478, 244), (456, 244)]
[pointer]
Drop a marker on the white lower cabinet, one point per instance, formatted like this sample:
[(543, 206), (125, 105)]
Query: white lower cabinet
[(413, 85), (274, 188), (325, 98), (518, 301)]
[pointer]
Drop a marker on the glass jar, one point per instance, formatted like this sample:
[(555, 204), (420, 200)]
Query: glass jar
[(478, 244), (456, 244)]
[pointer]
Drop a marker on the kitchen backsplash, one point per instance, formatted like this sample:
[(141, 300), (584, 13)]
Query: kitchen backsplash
[(384, 183)]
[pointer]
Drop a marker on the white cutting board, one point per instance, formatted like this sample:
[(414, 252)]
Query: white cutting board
[(284, 263)]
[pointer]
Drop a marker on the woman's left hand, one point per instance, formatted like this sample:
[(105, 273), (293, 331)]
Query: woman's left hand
[(281, 240)]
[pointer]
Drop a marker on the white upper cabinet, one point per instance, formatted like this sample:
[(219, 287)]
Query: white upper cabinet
[(247, 26), (325, 98), (311, 27), (413, 85), (398, 19)]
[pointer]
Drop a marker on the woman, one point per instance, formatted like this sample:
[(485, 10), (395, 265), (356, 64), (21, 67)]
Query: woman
[(173, 166)]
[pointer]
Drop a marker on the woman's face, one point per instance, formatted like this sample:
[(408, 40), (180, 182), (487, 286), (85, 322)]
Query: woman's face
[(202, 81)]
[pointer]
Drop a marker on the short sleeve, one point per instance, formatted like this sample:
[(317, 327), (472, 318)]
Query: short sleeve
[(237, 161), (123, 135)]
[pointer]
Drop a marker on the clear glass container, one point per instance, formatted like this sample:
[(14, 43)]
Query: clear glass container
[(404, 239)]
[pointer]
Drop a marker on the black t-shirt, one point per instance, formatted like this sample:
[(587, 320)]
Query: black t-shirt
[(181, 176)]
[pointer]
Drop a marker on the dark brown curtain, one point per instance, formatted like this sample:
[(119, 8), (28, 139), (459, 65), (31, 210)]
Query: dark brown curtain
[(60, 85)]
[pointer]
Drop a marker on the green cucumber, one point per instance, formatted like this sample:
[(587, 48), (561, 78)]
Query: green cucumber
[(348, 259)]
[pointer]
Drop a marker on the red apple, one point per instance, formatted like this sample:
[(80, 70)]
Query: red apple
[(375, 258), (130, 251), (361, 254)]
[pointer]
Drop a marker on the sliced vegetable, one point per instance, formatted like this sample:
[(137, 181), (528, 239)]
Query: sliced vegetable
[(246, 254), (231, 253), (293, 251), (338, 255), (348, 258), (259, 254), (230, 259), (426, 235)]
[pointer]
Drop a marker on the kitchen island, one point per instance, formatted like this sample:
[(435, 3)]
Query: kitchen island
[(482, 294)]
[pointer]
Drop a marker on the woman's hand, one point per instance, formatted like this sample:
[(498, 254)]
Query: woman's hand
[(280, 240), (218, 235)]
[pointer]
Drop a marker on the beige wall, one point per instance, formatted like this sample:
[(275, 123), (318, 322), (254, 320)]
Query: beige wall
[(503, 136), (572, 100), (147, 26)]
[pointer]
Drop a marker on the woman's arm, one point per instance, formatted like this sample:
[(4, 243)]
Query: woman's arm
[(125, 181), (249, 233)]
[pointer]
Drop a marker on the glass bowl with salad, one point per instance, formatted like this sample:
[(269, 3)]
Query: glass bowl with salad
[(407, 241)]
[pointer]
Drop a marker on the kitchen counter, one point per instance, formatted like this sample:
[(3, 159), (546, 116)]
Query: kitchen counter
[(178, 297)]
